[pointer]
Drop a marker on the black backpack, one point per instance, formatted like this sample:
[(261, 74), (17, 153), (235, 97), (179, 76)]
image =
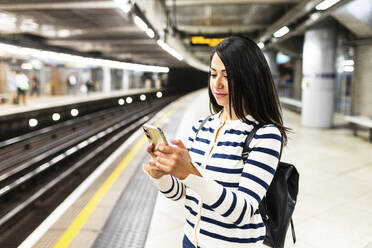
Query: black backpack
[(277, 206)]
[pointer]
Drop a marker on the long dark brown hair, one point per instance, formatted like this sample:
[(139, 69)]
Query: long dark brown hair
[(251, 87)]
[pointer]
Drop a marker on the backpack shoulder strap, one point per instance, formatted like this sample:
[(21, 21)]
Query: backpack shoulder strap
[(202, 124), (248, 140)]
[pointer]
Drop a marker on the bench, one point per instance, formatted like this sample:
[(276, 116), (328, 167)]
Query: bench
[(363, 121), (296, 104)]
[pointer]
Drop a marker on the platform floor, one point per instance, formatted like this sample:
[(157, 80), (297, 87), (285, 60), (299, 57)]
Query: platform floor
[(334, 202)]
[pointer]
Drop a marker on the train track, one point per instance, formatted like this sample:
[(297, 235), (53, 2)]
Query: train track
[(38, 171)]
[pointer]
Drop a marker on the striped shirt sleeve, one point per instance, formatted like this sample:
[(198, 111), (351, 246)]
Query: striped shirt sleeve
[(170, 187), (239, 206)]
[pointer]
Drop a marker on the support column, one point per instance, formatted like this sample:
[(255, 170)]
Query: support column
[(4, 71), (271, 60), (106, 85), (297, 77), (361, 95), (318, 77), (54, 87), (125, 80)]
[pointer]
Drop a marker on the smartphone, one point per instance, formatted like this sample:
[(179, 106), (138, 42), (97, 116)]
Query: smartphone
[(154, 134)]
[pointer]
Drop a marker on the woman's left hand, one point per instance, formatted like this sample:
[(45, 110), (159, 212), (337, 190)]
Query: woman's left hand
[(175, 160)]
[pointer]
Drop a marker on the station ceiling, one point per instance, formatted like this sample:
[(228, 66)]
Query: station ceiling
[(101, 28)]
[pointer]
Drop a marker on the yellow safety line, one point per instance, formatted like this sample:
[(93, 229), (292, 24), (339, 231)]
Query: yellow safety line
[(80, 220)]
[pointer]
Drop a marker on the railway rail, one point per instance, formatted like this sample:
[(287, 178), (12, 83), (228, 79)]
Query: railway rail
[(39, 170)]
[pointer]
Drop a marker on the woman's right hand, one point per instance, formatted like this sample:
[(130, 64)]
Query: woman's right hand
[(150, 149), (151, 167)]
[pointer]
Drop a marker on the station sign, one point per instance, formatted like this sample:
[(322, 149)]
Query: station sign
[(201, 40)]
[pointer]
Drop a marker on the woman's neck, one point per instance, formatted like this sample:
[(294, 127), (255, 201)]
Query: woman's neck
[(225, 115)]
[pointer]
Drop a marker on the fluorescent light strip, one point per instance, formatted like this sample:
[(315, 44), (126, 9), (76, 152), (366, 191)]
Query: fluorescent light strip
[(281, 32), (170, 50), (78, 60), (125, 7), (326, 4), (140, 23), (143, 26), (349, 62), (349, 68), (150, 33)]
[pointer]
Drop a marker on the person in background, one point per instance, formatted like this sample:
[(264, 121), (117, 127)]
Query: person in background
[(12, 87), (222, 192), (35, 86), (72, 84), (90, 85), (22, 86)]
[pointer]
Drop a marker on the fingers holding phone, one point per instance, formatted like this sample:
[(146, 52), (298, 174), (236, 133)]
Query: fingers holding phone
[(150, 149), (156, 138)]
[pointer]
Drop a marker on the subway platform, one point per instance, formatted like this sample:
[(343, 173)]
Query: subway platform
[(43, 101), (117, 206)]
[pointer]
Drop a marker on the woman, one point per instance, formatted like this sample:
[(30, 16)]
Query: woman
[(222, 191)]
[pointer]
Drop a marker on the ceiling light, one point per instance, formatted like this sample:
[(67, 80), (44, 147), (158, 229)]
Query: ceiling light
[(6, 18), (121, 101), (326, 4), (261, 45), (30, 51), (13, 50), (281, 32), (28, 25), (159, 94), (315, 16), (170, 50), (48, 30), (26, 66), (36, 64), (348, 62), (125, 6), (69, 58), (143, 97), (348, 68), (8, 22), (140, 23), (150, 33), (64, 33)]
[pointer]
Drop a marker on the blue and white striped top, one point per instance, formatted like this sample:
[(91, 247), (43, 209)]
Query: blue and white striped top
[(221, 208)]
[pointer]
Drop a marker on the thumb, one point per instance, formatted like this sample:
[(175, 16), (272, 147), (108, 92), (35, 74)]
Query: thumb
[(146, 168), (178, 143)]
